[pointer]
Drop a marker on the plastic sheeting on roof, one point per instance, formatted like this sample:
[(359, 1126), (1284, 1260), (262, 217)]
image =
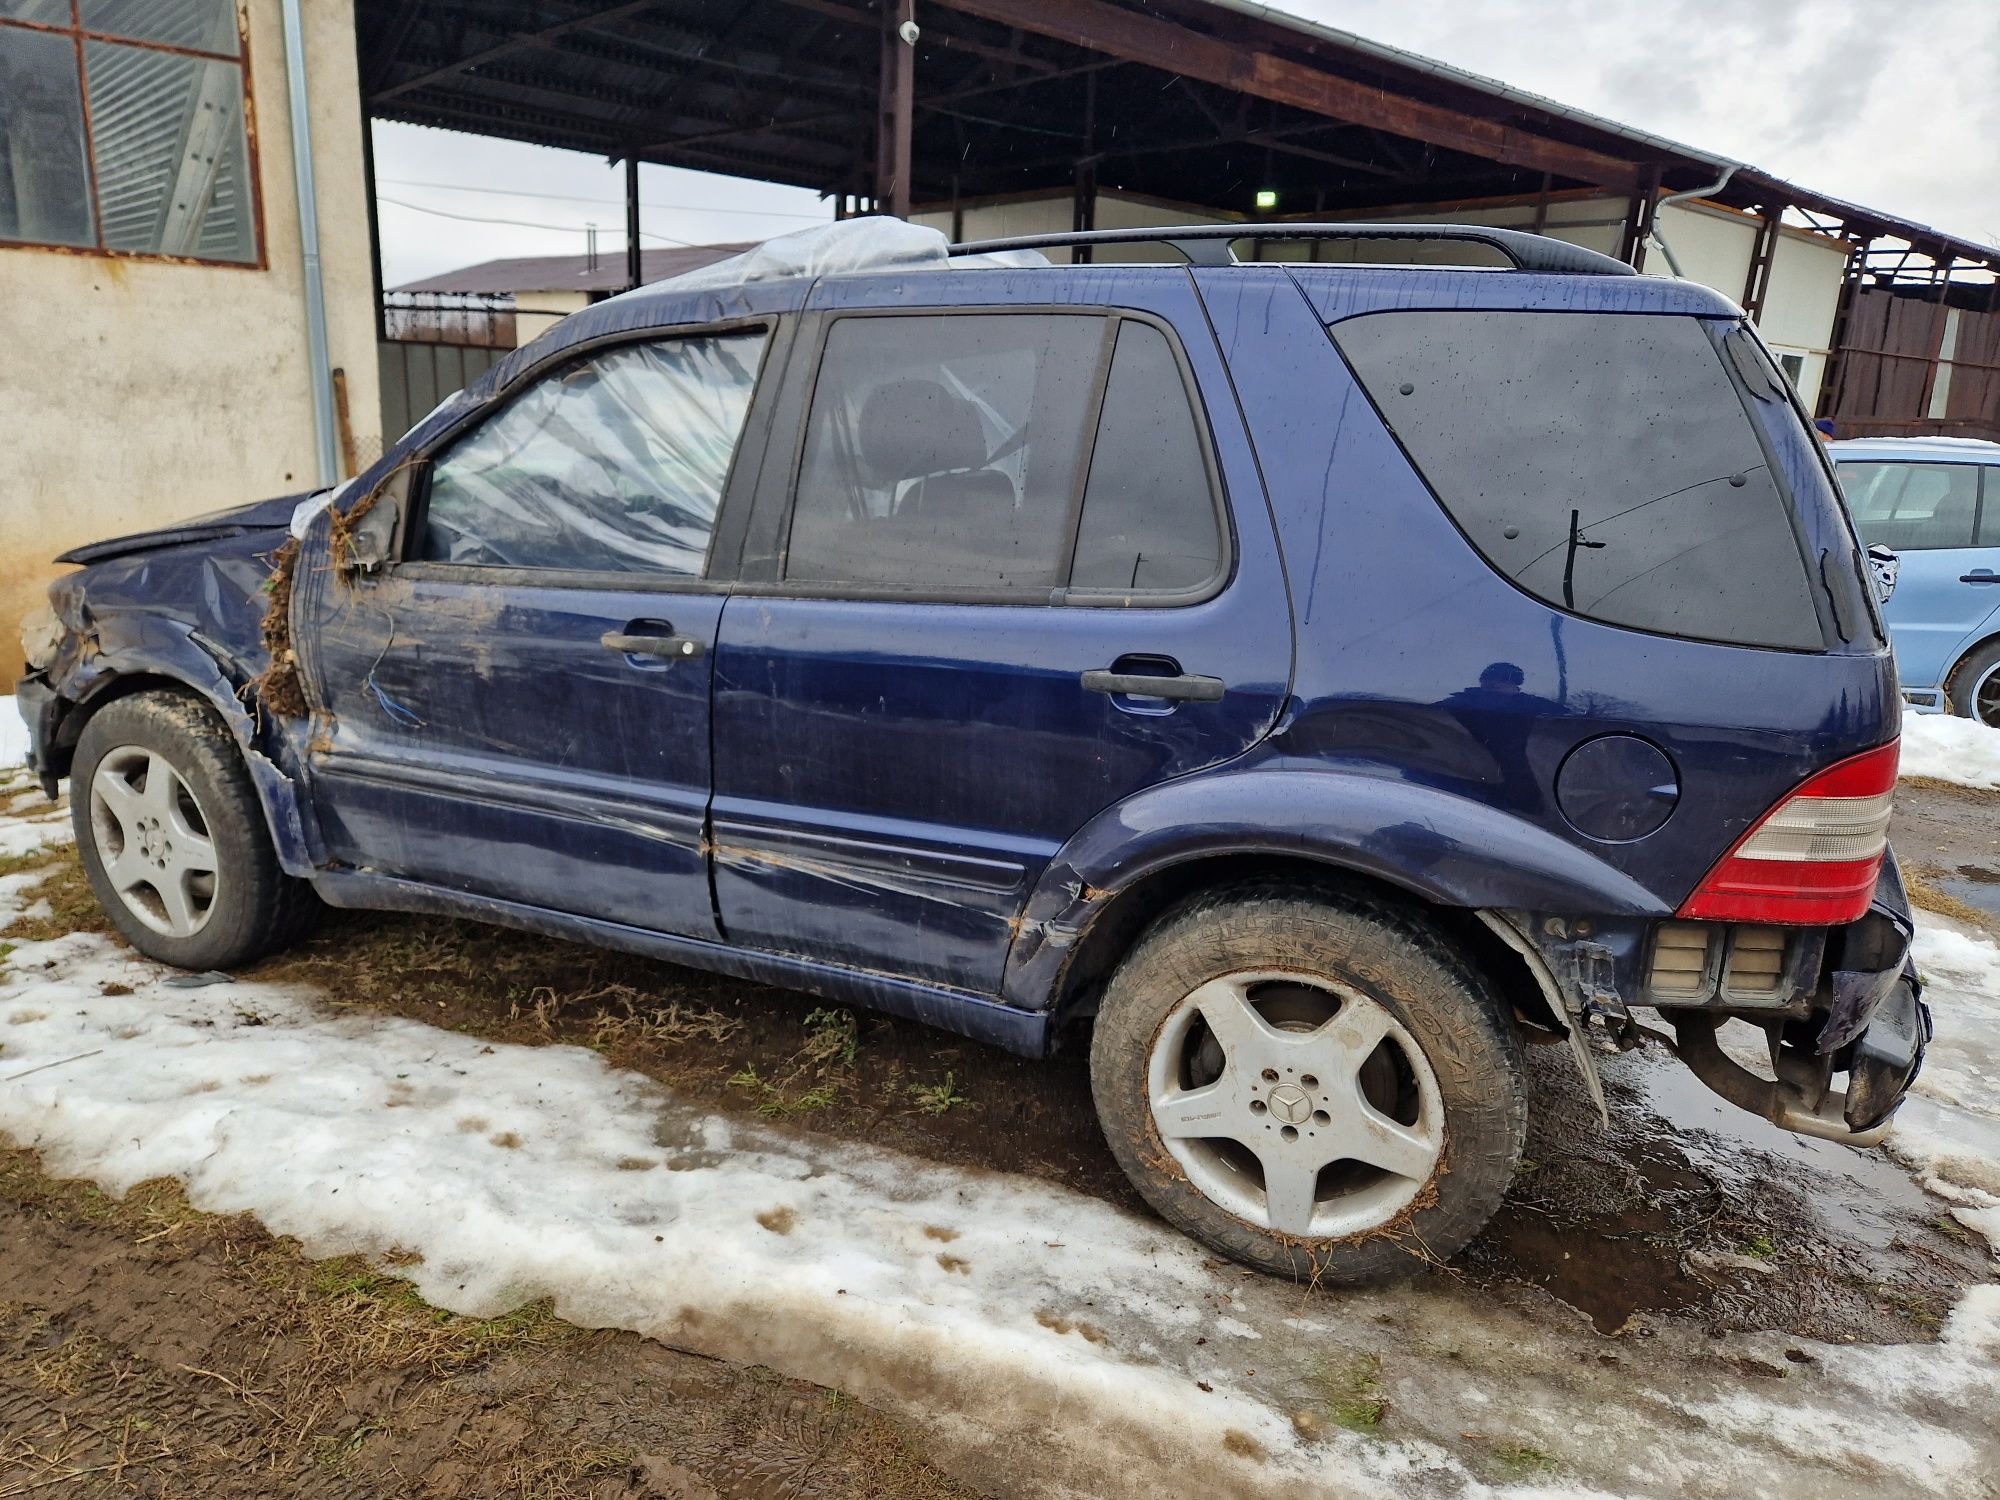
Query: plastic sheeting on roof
[(876, 243)]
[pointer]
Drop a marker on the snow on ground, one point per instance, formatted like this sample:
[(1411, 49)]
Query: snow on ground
[(1950, 1131), (13, 732), (28, 820), (1945, 747), (1064, 1347)]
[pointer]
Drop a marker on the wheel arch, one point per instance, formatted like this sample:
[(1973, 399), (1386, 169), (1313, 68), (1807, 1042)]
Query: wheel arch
[(1964, 659), (106, 680), (1433, 852)]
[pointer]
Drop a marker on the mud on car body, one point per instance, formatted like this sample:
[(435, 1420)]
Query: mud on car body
[(1308, 682)]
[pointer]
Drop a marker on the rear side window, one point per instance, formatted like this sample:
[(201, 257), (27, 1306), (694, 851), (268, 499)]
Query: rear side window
[(1919, 507), (1604, 462), (614, 464), (1148, 511), (968, 452)]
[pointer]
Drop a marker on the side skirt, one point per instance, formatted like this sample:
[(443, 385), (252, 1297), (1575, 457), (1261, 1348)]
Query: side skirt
[(1024, 1032)]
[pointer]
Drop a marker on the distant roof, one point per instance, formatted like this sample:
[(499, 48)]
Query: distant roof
[(1965, 450), (572, 273)]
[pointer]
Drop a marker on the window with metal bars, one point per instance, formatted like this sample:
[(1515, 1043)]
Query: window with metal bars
[(122, 128)]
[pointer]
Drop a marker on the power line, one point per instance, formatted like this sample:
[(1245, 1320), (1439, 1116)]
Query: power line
[(517, 223), (693, 208)]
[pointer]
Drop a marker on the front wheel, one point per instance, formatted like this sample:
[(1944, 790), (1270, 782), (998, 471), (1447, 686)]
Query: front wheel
[(173, 839), (1315, 1084)]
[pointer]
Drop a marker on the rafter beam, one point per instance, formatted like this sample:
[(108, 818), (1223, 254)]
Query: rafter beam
[(1177, 49), (520, 41)]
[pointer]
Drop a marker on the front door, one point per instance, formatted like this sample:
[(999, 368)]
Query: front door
[(518, 707), (1003, 592)]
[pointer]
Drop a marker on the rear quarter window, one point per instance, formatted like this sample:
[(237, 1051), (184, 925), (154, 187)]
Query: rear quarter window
[(1603, 462)]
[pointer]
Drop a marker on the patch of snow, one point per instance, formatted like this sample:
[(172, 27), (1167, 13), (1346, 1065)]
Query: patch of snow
[(13, 732), (1945, 747), (1949, 1131), (1033, 1331)]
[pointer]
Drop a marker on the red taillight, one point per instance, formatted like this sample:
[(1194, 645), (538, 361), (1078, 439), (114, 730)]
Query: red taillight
[(1812, 860)]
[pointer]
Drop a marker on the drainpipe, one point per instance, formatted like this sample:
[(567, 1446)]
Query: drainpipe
[(1658, 238), (302, 173)]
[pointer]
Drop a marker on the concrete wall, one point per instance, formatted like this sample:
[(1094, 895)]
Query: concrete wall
[(535, 313), (135, 392)]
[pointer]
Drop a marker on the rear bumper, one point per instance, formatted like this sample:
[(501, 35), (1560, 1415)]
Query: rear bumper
[(1869, 1023)]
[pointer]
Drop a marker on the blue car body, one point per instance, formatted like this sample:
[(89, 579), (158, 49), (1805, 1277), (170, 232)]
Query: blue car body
[(907, 800), (1936, 503)]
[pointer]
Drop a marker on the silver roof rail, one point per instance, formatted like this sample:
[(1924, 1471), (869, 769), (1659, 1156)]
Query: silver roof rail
[(1208, 244)]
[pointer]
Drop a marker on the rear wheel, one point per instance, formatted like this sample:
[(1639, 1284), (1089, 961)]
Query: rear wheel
[(173, 839), (1975, 686), (1317, 1085)]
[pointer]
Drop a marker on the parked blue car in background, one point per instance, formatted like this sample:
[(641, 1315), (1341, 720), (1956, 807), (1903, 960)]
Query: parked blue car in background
[(1936, 503), (1305, 682)]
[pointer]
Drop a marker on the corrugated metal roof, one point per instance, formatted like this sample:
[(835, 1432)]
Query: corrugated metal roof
[(571, 273)]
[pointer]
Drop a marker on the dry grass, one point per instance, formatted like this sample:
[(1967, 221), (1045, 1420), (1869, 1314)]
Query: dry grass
[(1920, 882)]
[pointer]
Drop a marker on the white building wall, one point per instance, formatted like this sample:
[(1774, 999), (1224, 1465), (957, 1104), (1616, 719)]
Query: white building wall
[(1714, 246), (137, 392)]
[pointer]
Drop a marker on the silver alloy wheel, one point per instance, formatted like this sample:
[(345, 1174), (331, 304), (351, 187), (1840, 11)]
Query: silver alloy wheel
[(1297, 1104), (1986, 697), (153, 841)]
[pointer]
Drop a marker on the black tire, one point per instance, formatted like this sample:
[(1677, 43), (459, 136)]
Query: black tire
[(253, 907), (1975, 685), (1372, 948)]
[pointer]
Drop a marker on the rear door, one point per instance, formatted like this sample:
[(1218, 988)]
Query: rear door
[(1020, 568), (1943, 520), (519, 706)]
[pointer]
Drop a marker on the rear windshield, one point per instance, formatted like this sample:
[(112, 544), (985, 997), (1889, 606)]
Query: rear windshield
[(1602, 461)]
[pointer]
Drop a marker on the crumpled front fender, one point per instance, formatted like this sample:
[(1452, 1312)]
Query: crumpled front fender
[(101, 654)]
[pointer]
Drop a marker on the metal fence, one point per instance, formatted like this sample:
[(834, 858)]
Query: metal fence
[(435, 343)]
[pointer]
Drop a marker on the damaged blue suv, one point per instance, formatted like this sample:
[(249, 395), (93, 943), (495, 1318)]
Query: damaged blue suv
[(1309, 682)]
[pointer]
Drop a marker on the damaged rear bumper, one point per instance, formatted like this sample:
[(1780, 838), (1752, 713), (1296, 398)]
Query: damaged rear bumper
[(1843, 1018)]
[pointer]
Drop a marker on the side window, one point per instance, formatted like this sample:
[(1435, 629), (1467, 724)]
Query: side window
[(614, 464), (942, 452), (1913, 507), (1149, 519)]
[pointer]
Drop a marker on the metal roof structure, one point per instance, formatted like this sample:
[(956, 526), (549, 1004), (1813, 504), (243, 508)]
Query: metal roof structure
[(1198, 102)]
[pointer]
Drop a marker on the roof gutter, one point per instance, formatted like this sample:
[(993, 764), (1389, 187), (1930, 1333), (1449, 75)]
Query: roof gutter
[(1701, 192), (315, 284)]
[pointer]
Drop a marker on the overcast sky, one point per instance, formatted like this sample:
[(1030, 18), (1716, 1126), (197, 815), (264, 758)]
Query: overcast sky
[(1895, 106)]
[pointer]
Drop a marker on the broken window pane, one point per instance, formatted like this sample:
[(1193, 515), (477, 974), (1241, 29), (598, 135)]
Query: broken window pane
[(172, 168), (200, 25), (616, 464), (44, 170)]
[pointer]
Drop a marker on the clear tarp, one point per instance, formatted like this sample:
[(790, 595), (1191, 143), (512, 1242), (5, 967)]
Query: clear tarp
[(875, 243)]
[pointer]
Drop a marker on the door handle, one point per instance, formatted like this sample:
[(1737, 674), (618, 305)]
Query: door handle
[(674, 647), (1984, 575), (1187, 686)]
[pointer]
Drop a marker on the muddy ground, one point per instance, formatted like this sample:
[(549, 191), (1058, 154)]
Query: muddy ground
[(147, 1349)]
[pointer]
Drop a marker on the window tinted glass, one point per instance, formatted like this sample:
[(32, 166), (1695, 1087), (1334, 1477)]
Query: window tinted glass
[(173, 168), (942, 452), (1913, 507), (614, 464), (1604, 462), (1148, 513)]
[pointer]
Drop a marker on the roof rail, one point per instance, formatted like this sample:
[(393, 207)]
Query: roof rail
[(1208, 244)]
